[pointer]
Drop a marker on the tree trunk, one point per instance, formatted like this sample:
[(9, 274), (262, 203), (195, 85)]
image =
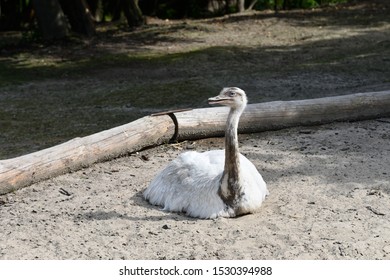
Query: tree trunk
[(252, 4), (185, 125), (97, 10), (133, 13), (229, 4), (115, 7), (51, 20), (11, 18), (79, 16), (241, 6)]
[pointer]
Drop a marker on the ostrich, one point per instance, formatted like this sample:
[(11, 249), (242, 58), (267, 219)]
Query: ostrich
[(218, 183)]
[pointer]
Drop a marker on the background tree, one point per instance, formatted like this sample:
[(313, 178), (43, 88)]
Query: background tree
[(132, 12), (56, 18), (51, 19), (79, 16)]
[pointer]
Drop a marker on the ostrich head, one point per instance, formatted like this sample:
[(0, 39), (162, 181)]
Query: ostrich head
[(232, 97)]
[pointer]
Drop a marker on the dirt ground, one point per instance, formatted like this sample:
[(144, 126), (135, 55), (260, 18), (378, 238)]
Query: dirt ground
[(329, 196), (329, 185), (53, 93)]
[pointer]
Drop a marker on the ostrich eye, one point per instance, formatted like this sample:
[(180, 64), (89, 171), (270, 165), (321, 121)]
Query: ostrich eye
[(231, 94)]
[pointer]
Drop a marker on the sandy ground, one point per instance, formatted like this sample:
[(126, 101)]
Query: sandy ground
[(51, 94), (329, 185), (329, 199)]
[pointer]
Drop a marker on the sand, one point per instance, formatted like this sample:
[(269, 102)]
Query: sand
[(329, 199)]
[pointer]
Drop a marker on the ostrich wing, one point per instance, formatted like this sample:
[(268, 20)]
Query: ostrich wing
[(190, 184)]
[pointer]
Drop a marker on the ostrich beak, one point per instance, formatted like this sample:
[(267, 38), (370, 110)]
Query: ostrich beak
[(217, 100)]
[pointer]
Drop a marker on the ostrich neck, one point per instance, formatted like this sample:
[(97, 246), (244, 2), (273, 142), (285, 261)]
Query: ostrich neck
[(232, 162), (231, 183)]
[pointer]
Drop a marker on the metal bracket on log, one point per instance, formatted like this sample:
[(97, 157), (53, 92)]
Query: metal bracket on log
[(171, 114)]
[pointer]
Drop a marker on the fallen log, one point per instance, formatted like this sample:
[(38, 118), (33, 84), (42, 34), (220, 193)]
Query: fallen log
[(181, 125), (77, 153), (275, 115)]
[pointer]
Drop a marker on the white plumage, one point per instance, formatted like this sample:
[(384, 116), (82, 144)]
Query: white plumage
[(200, 184)]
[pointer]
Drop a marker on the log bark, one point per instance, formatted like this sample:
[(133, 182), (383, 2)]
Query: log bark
[(275, 115), (81, 152), (191, 124)]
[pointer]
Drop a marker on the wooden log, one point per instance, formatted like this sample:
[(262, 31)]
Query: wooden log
[(81, 152), (259, 117), (191, 124)]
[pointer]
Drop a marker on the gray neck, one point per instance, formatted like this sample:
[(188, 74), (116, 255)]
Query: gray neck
[(230, 189)]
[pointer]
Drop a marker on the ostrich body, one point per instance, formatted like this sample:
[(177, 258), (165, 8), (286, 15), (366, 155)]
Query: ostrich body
[(218, 183)]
